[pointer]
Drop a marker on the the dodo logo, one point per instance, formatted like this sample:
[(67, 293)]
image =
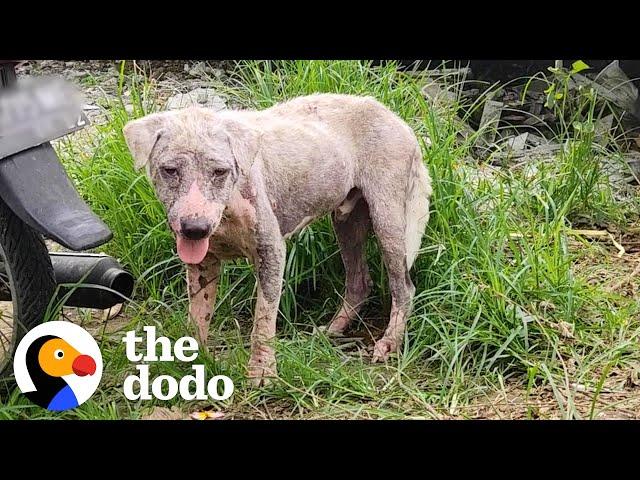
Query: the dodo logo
[(58, 365)]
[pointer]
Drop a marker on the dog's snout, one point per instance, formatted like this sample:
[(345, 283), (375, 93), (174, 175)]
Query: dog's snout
[(194, 228)]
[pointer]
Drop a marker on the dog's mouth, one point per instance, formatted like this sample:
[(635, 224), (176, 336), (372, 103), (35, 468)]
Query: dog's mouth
[(192, 251)]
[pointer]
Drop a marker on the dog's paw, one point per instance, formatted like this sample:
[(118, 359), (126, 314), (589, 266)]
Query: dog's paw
[(383, 348), (326, 330), (337, 326)]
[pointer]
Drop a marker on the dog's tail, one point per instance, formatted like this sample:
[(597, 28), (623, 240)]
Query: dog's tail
[(416, 206)]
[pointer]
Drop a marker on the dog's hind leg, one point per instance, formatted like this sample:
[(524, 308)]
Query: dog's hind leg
[(202, 283), (402, 292), (398, 202), (352, 230), (387, 211)]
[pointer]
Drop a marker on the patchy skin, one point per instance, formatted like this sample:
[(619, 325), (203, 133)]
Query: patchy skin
[(232, 239), (269, 262), (402, 293), (262, 362), (393, 336), (202, 285), (235, 237), (195, 205), (259, 177), (352, 231)]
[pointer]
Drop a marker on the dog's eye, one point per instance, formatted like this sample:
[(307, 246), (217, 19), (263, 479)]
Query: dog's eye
[(219, 172), (169, 171)]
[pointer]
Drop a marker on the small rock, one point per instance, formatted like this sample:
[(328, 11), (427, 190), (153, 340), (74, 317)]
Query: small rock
[(203, 97), (75, 74), (111, 313), (519, 142), (199, 69)]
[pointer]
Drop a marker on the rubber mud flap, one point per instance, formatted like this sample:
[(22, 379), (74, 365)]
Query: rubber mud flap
[(35, 186)]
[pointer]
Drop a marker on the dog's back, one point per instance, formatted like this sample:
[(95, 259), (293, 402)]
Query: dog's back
[(386, 159), (359, 124)]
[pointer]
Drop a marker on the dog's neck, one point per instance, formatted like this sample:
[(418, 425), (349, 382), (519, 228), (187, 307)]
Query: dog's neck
[(240, 209), (235, 237)]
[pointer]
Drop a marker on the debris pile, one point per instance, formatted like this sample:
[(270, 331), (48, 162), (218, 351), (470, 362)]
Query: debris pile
[(533, 117)]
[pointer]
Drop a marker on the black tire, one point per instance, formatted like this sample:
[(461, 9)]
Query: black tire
[(31, 278)]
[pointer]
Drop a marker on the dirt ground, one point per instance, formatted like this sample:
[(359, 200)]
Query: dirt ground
[(618, 397)]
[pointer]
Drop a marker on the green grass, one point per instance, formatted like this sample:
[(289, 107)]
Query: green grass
[(495, 278)]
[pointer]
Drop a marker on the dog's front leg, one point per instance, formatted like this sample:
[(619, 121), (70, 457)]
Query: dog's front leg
[(202, 283), (269, 263)]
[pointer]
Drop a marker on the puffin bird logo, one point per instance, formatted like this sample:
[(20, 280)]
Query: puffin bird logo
[(58, 368)]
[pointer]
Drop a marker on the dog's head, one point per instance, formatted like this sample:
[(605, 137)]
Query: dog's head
[(194, 159)]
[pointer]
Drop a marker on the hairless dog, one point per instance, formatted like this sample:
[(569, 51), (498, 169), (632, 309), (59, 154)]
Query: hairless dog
[(237, 183)]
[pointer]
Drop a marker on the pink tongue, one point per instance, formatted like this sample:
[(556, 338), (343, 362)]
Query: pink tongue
[(192, 251)]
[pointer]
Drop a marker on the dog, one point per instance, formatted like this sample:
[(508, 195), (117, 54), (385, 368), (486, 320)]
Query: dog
[(238, 183)]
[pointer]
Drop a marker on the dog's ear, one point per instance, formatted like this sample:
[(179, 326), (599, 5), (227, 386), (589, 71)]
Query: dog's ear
[(244, 142), (142, 135)]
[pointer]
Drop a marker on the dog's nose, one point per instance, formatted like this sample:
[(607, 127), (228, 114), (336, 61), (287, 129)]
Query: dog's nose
[(194, 228)]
